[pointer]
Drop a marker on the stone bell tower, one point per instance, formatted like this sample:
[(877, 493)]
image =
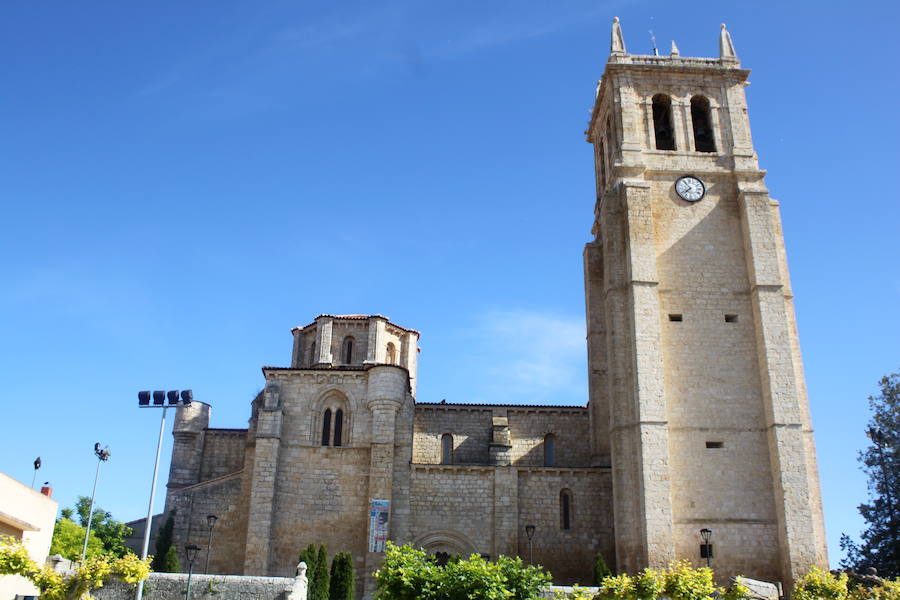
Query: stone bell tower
[(697, 393)]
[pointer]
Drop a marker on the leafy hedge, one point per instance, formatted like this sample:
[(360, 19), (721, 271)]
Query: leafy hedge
[(411, 574)]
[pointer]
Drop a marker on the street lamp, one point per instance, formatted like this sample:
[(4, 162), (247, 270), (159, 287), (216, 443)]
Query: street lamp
[(102, 455), (37, 465), (191, 551), (210, 522), (706, 547), (529, 532), (159, 401)]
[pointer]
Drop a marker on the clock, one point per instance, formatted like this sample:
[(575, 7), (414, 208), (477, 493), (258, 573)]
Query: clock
[(690, 188)]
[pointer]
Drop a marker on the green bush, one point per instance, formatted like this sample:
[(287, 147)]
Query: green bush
[(410, 574), (342, 584), (170, 562), (601, 570), (680, 581)]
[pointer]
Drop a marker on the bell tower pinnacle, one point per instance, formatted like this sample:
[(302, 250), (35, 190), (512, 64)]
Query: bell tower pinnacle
[(697, 393)]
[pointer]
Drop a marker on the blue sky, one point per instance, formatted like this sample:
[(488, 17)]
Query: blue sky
[(184, 182)]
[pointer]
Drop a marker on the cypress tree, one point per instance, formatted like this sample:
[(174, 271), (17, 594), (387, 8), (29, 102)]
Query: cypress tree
[(601, 571), (342, 578), (310, 557), (171, 564), (321, 574), (163, 543)]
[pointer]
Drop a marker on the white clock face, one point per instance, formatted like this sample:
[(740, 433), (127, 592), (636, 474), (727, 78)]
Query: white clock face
[(690, 188)]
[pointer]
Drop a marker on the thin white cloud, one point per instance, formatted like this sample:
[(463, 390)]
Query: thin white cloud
[(527, 357)]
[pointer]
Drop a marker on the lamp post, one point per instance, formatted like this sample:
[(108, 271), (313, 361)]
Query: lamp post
[(706, 551), (159, 401), (191, 551), (529, 532), (211, 522), (877, 437), (37, 465), (102, 456)]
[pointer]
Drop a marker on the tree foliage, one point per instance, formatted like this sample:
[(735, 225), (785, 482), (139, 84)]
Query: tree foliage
[(342, 584), (879, 546), (410, 574), (110, 532), (161, 562), (92, 574), (68, 540), (822, 585)]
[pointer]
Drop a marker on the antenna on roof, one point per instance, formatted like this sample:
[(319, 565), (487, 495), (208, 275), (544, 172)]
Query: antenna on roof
[(653, 43)]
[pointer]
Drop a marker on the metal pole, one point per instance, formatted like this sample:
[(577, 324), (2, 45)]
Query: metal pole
[(87, 532), (187, 593), (146, 546), (530, 554), (208, 546), (708, 557)]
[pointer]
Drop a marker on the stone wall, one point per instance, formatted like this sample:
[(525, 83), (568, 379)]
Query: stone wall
[(568, 554), (172, 586), (470, 426), (223, 452)]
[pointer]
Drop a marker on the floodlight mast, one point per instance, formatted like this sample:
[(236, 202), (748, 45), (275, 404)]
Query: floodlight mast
[(158, 402)]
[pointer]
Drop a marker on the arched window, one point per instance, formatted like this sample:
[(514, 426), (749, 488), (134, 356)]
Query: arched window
[(326, 427), (338, 426), (549, 450), (336, 420), (704, 141), (565, 509), (391, 354), (347, 352), (312, 355), (446, 449), (662, 122)]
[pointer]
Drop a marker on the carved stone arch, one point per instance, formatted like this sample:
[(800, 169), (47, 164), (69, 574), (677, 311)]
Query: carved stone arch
[(333, 399), (446, 540)]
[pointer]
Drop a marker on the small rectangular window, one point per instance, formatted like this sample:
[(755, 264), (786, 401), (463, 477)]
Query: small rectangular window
[(731, 318), (715, 444), (676, 318), (706, 551)]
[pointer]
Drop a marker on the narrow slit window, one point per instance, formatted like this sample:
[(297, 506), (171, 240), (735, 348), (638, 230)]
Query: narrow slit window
[(702, 122), (348, 350), (676, 317), (338, 426), (601, 160), (662, 122), (446, 449), (549, 450), (731, 318), (715, 444), (326, 427), (565, 510)]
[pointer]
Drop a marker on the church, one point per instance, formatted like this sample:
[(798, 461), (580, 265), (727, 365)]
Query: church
[(697, 415)]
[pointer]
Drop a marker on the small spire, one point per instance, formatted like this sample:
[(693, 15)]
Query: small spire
[(726, 46), (674, 51), (617, 43)]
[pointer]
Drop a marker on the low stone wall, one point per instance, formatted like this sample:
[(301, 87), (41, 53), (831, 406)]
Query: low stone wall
[(171, 586)]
